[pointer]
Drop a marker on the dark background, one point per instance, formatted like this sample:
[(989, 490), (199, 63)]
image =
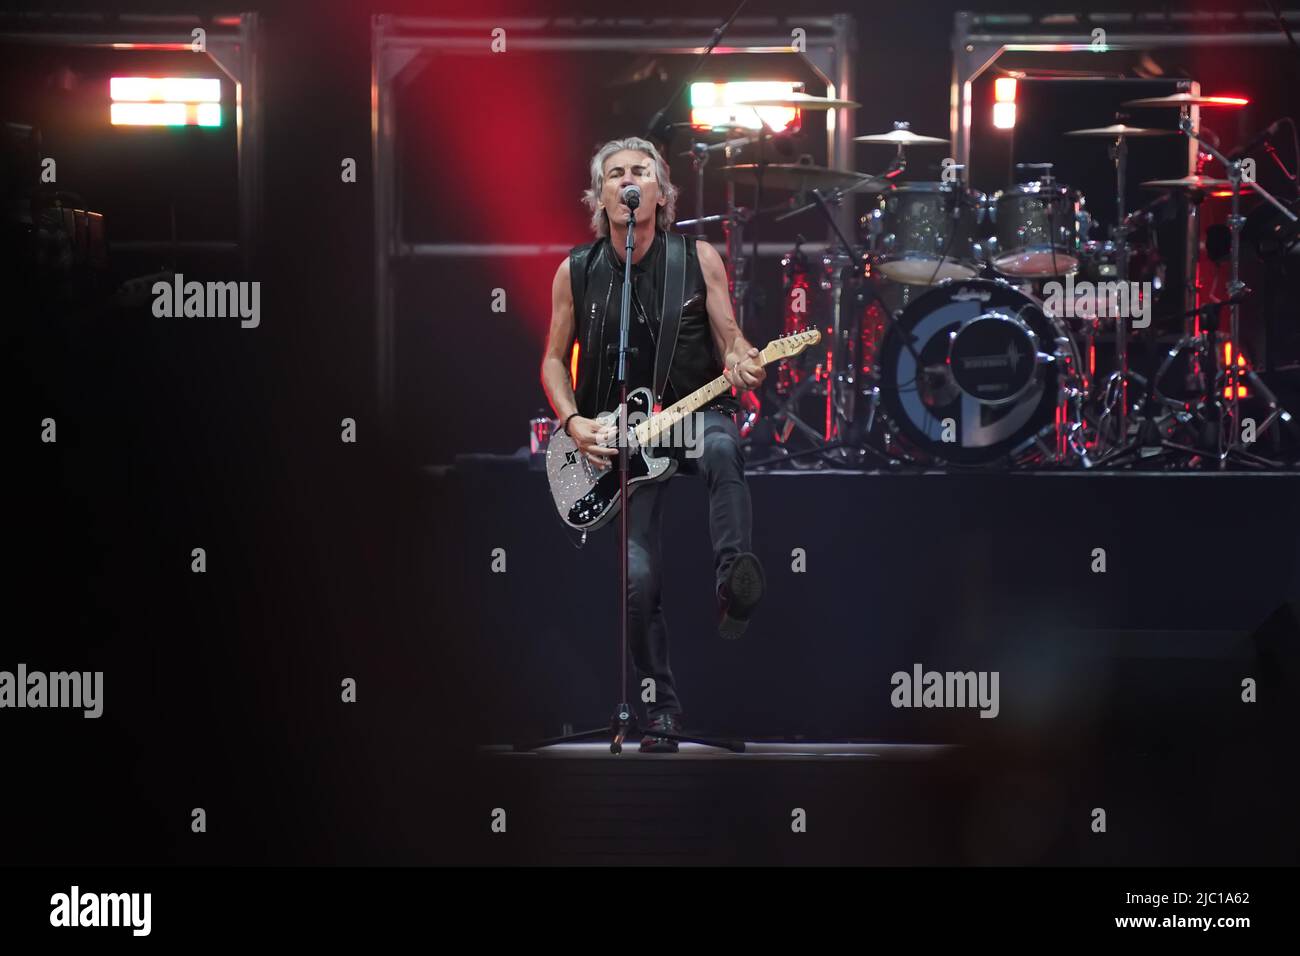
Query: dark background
[(222, 689)]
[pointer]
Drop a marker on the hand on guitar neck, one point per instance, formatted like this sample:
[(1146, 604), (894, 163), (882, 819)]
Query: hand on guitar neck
[(746, 372)]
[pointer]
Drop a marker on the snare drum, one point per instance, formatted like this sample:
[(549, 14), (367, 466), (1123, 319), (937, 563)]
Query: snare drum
[(923, 233), (1037, 230)]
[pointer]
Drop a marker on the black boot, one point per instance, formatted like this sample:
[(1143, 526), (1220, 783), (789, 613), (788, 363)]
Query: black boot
[(739, 594), (667, 723)]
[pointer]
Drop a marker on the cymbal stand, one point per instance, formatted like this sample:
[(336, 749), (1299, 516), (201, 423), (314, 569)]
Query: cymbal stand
[(699, 160), (1119, 379), (1230, 445)]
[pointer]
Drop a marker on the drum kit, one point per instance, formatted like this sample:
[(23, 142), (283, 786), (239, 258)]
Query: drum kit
[(962, 329)]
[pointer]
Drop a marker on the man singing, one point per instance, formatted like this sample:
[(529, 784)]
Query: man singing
[(585, 303)]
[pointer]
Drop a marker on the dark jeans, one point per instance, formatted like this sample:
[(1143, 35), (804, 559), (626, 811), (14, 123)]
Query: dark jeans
[(722, 465)]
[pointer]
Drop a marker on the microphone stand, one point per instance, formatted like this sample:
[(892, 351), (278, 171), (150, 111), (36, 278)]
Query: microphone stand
[(623, 723), (623, 720), (655, 128)]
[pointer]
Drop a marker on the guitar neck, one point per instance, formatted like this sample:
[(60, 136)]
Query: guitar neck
[(653, 427)]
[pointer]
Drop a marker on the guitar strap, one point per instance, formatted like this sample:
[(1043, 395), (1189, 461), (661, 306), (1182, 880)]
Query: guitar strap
[(671, 311)]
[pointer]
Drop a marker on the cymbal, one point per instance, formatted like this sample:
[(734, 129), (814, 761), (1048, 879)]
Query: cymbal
[(800, 101), (900, 137), (714, 128), (794, 177), (1116, 130), (1189, 99), (1189, 183)]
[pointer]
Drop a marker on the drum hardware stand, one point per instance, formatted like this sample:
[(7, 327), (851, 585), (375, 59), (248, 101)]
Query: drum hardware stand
[(736, 218), (841, 384), (1114, 397), (792, 420), (1121, 376), (744, 282), (1204, 347), (1192, 295), (1068, 434), (699, 160), (820, 375), (1232, 448), (1070, 439), (623, 722), (842, 387)]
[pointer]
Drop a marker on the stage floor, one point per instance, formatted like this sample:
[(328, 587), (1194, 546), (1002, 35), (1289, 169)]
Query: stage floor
[(754, 750), (1120, 686), (892, 804)]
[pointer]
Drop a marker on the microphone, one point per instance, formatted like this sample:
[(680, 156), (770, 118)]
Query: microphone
[(631, 196), (1268, 132)]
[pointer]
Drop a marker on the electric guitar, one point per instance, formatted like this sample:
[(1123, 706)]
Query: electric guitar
[(587, 497)]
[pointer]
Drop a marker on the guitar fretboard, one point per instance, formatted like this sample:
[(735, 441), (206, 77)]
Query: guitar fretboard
[(650, 429)]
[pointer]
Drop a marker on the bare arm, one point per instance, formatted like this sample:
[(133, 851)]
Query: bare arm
[(556, 379), (591, 437), (732, 344)]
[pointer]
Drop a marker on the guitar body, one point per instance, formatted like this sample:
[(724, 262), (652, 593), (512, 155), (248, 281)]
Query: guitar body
[(587, 497)]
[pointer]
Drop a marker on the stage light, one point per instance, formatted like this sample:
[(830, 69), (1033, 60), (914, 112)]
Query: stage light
[(165, 101), (1004, 106), (713, 104), (209, 114), (1227, 356), (573, 363), (169, 89), (1241, 364), (148, 114)]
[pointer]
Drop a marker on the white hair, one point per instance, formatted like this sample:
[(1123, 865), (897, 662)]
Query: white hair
[(663, 214)]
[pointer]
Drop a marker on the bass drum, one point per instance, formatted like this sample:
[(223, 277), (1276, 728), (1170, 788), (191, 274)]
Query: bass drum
[(986, 382)]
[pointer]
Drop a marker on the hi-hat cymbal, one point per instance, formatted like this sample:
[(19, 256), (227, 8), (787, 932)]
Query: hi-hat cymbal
[(1116, 130), (794, 177), (900, 137), (1189, 99), (801, 101), (1189, 183)]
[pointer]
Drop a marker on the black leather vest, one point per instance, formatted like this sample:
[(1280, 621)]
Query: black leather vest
[(597, 280)]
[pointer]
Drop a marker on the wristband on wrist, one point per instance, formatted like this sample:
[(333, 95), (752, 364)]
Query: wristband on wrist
[(565, 427)]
